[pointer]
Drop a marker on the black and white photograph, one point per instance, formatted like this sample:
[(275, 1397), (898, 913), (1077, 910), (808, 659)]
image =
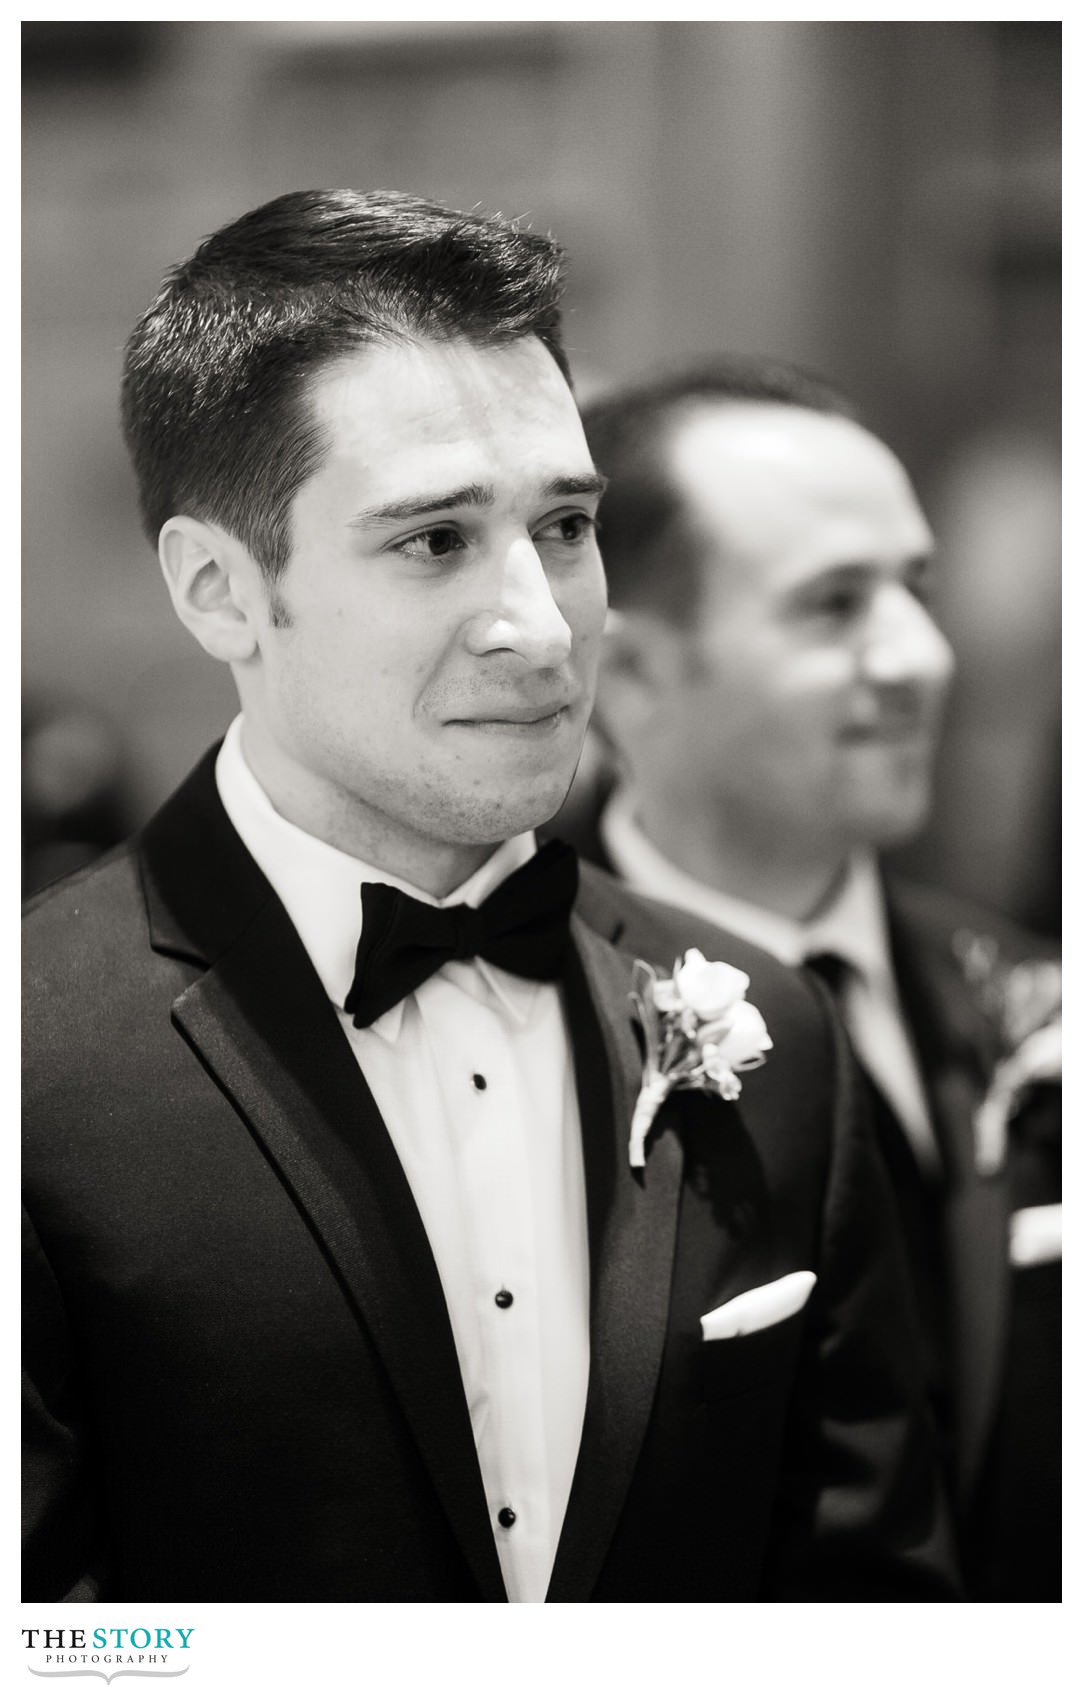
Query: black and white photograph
[(540, 851)]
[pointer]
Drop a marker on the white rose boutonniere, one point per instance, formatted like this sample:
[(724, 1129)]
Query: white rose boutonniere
[(698, 1032)]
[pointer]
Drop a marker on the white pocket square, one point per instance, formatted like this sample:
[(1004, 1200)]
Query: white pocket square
[(760, 1307)]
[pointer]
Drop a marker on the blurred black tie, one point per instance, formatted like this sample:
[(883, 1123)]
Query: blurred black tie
[(833, 970), (522, 927)]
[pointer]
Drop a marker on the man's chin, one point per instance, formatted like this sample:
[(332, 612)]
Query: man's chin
[(889, 797), (897, 820), (491, 820)]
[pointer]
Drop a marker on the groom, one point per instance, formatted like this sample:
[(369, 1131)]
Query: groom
[(340, 1284)]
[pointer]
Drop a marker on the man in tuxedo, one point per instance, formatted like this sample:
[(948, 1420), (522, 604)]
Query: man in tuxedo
[(340, 1283), (774, 685)]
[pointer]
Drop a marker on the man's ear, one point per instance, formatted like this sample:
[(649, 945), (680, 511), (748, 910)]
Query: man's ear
[(214, 586), (643, 661)]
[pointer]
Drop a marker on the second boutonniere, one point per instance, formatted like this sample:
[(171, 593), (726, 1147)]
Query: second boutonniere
[(698, 1032), (1022, 1001)]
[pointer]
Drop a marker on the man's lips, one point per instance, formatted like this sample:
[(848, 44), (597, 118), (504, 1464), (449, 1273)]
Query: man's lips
[(888, 732), (514, 714)]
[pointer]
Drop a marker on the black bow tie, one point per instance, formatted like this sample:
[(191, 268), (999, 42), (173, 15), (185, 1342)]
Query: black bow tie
[(522, 926)]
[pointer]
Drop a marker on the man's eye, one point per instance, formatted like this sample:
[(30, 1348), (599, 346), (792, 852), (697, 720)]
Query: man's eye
[(837, 605), (432, 545), (568, 528), (840, 604)]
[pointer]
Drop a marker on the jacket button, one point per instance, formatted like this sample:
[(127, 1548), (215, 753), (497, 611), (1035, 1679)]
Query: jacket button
[(479, 1082), (504, 1298), (505, 1516)]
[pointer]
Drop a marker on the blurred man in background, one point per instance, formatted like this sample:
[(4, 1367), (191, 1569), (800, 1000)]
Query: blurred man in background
[(773, 685)]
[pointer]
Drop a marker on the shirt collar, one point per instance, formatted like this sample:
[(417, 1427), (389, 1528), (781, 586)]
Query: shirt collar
[(851, 924), (320, 888)]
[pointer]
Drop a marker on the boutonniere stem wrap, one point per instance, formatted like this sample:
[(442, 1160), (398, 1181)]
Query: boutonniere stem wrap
[(698, 1032)]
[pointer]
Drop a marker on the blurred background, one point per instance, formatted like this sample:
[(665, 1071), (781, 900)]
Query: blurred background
[(880, 201)]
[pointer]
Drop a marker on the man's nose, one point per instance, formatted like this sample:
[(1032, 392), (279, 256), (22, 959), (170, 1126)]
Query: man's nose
[(902, 643), (523, 617)]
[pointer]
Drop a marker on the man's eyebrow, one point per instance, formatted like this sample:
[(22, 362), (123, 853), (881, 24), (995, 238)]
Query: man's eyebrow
[(472, 496), (584, 484), (467, 496), (860, 566)]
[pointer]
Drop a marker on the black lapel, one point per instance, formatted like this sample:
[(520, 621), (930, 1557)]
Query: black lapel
[(260, 1021), (954, 1048), (632, 1220)]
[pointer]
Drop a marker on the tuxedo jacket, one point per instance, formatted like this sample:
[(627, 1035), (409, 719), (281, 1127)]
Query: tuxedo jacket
[(1003, 1321), (241, 1377)]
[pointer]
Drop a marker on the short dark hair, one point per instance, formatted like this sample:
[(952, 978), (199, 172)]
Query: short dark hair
[(216, 372), (651, 559)]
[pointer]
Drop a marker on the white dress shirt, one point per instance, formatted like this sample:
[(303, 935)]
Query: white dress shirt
[(473, 1076), (852, 925)]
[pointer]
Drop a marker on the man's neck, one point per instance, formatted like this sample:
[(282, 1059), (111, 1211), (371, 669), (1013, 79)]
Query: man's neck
[(369, 836), (766, 869)]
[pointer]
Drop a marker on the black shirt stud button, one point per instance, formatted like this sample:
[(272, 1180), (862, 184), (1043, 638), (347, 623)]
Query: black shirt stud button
[(505, 1516), (479, 1082), (504, 1299)]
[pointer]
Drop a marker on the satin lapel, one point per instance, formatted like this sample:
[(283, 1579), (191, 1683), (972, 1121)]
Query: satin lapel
[(632, 1220), (260, 1022), (953, 1047)]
